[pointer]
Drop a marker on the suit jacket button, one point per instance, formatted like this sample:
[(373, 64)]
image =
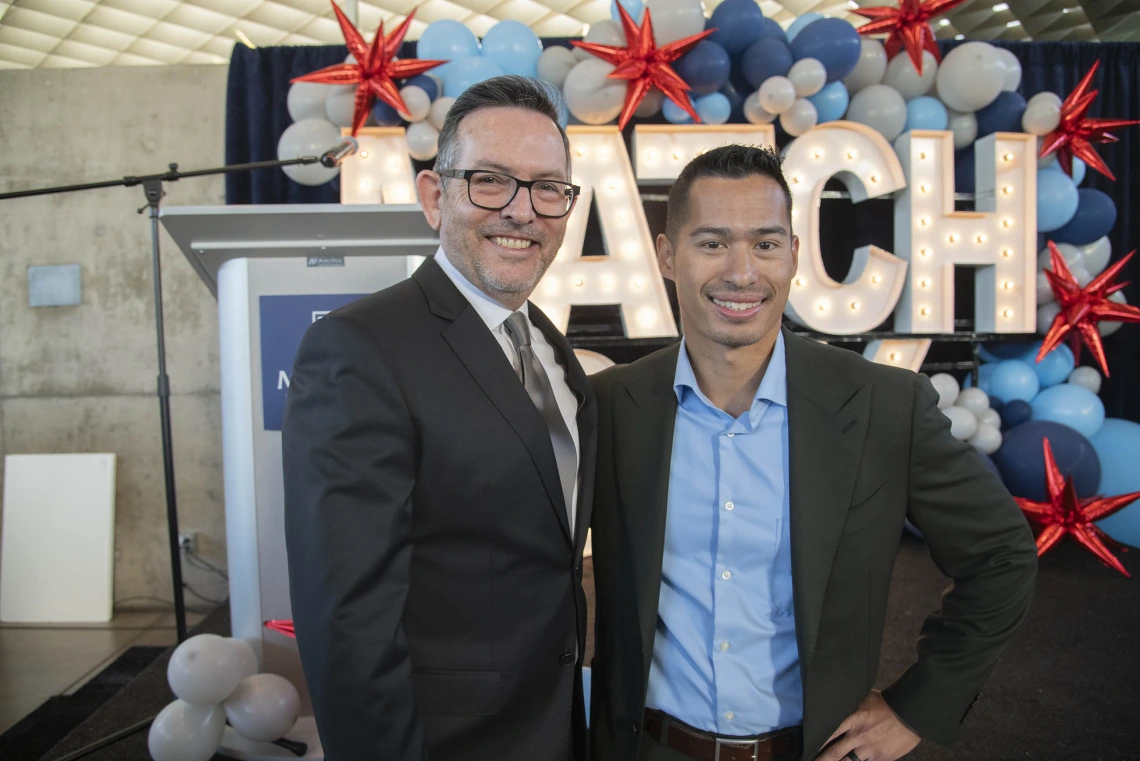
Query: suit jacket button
[(636, 728), (566, 659)]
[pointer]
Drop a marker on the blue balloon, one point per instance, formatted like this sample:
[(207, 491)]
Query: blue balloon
[(1071, 405), (1095, 217), (384, 115), (965, 179), (735, 99), (1021, 459), (830, 102), (425, 83), (997, 405), (714, 108), (985, 376), (1079, 167), (1056, 200), (770, 30), (469, 71), (674, 114), (1055, 367), (925, 113), (1116, 443), (763, 59), (446, 40), (1015, 413), (996, 352), (514, 47), (796, 26), (706, 67), (1014, 379), (738, 24), (1003, 115), (831, 41), (635, 8)]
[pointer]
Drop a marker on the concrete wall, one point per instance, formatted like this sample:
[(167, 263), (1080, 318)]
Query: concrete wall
[(82, 378)]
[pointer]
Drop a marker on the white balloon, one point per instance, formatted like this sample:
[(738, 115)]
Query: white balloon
[(418, 102), (777, 94), (439, 110), (590, 95), (1081, 274), (902, 76), (947, 387), (798, 119), (608, 32), (204, 669), (1041, 116), (973, 399), (1096, 255), (184, 732), (1045, 315), (306, 100), (964, 126), (674, 19), (651, 104), (1011, 68), (263, 708), (881, 108), (247, 658), (341, 104), (1044, 290), (990, 417), (555, 63), (987, 439), (423, 141), (1087, 377), (963, 424), (1108, 328), (970, 77), (754, 112), (808, 76), (308, 137), (1070, 253), (871, 67)]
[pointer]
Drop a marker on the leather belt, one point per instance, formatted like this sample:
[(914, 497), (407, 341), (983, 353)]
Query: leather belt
[(779, 745)]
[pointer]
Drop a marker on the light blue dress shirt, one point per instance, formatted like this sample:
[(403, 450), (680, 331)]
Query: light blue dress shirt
[(725, 658)]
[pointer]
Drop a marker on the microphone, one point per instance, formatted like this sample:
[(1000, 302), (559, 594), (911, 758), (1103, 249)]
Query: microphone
[(336, 155)]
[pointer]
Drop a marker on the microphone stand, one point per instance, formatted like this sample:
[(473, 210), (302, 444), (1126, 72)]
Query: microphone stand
[(153, 192)]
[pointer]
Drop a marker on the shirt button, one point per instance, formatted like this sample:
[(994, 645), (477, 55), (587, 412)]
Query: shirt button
[(730, 435), (724, 646), (730, 716), (728, 505), (726, 575)]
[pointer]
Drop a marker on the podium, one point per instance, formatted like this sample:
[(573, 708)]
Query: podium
[(275, 269)]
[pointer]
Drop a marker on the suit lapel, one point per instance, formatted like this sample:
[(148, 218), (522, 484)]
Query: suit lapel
[(827, 424), (481, 354)]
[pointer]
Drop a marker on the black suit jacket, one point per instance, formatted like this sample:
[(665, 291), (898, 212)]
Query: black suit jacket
[(435, 584), (867, 447)]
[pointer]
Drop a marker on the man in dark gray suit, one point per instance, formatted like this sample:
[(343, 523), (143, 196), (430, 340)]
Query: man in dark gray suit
[(751, 490), (438, 452)]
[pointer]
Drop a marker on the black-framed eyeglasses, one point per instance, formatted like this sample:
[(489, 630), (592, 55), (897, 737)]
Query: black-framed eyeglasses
[(495, 190)]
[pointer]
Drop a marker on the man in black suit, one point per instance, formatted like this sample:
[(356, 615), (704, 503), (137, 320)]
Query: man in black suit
[(438, 451), (751, 491)]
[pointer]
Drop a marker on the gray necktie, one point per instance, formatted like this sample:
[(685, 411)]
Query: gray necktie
[(536, 383)]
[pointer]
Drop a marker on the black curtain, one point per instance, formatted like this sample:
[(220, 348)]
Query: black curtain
[(256, 115)]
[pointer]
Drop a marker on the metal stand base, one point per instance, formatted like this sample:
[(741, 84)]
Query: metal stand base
[(305, 730)]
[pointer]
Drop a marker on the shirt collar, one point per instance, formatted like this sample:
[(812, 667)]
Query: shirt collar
[(492, 312), (773, 387)]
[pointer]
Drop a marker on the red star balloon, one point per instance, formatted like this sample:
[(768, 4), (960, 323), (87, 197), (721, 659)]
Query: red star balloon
[(1065, 513), (374, 69), (1083, 308), (283, 627), (1076, 133), (909, 26), (645, 65)]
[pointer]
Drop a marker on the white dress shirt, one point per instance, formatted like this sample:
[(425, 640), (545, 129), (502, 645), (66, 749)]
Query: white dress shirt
[(495, 314)]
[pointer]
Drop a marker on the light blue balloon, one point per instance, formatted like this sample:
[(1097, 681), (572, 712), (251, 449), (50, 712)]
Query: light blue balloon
[(674, 114), (465, 72), (1079, 168), (713, 108), (1074, 406), (446, 40), (514, 47), (635, 8), (830, 102), (800, 23), (1054, 367), (925, 113), (985, 377), (1116, 444), (1014, 379), (1057, 200)]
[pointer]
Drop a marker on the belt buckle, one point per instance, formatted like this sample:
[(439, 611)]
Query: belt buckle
[(720, 743)]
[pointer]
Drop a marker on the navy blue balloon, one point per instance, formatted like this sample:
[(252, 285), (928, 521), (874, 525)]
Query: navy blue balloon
[(706, 67), (997, 405), (1095, 217), (425, 83), (735, 99), (385, 115), (763, 59), (1003, 115), (999, 350), (1015, 413), (964, 180), (831, 41), (738, 24), (770, 30), (1021, 459), (989, 463)]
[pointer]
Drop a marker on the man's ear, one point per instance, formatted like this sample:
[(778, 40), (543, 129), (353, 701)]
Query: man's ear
[(795, 253), (665, 257), (429, 186)]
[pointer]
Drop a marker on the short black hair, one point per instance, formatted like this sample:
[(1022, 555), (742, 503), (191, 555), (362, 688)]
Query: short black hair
[(506, 91), (730, 162)]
